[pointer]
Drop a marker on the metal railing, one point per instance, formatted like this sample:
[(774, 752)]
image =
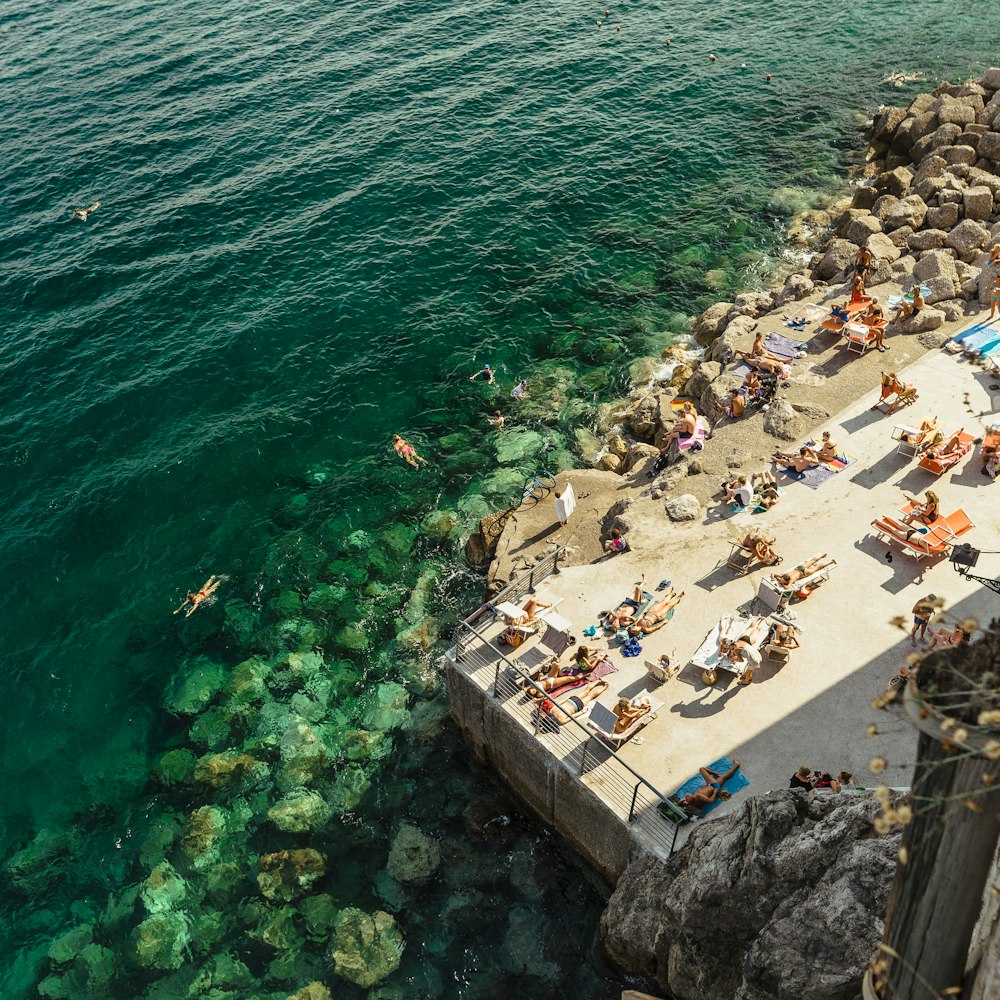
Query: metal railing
[(626, 792)]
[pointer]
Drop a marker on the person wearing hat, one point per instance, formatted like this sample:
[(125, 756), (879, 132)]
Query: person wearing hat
[(485, 373), (922, 612)]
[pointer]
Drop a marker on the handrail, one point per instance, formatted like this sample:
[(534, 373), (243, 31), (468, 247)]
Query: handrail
[(620, 773)]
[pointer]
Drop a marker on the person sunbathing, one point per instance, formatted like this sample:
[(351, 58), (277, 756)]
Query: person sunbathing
[(827, 451), (800, 572), (711, 791), (547, 684), (989, 452), (745, 652), (923, 433), (628, 713), (758, 350), (893, 386), (684, 426), (908, 307), (799, 463), (624, 614), (778, 366), (952, 446), (926, 512), (761, 546), (840, 313), (765, 488), (942, 637), (738, 491), (575, 704), (208, 588), (652, 618), (785, 636), (530, 608)]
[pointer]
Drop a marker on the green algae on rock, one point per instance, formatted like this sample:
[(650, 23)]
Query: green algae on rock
[(366, 948)]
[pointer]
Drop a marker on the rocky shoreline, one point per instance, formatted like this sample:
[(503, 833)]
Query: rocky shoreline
[(733, 913)]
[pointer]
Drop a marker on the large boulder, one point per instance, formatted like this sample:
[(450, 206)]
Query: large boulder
[(160, 941), (885, 123), (978, 202), (988, 146), (959, 154), (910, 211), (683, 508), (944, 135), (618, 516), (884, 205), (414, 857), (366, 948), (927, 239), (860, 228), (703, 375), (940, 289), (991, 78), (300, 811), (781, 421), (752, 304), (894, 182), (927, 319), (163, 889), (711, 322), (934, 264), (638, 455), (882, 247), (735, 910), (736, 336), (796, 287), (839, 256), (967, 238), (719, 392), (942, 216)]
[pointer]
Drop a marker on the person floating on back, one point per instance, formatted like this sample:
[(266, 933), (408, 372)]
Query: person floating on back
[(208, 588), (404, 449), (83, 213)]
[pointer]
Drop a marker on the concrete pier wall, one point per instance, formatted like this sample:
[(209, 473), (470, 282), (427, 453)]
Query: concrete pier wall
[(542, 782)]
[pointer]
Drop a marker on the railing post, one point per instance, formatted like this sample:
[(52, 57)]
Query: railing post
[(555, 562), (635, 795), (496, 680), (536, 716), (583, 757)]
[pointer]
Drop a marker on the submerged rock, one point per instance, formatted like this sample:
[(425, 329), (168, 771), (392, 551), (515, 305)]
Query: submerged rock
[(300, 812), (163, 889), (387, 708), (175, 768), (414, 857), (160, 941), (195, 686), (223, 770), (66, 947), (205, 828), (287, 874), (314, 991), (366, 948)]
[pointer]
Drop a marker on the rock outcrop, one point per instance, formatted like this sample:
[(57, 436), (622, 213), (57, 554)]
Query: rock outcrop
[(780, 899)]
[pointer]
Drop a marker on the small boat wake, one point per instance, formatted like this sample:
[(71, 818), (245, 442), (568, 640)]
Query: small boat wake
[(900, 80)]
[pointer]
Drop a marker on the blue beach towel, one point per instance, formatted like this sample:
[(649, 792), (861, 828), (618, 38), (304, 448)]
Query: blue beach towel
[(815, 477), (737, 782)]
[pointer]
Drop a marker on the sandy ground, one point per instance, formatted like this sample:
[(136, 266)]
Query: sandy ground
[(816, 708)]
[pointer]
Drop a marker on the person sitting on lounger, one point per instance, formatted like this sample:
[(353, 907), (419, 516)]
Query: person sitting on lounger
[(744, 652), (926, 512), (892, 385), (799, 463), (924, 432), (942, 637), (840, 313), (575, 704), (627, 713), (761, 546), (624, 614), (653, 617), (952, 446), (711, 791), (684, 426), (785, 636), (547, 684), (530, 608), (800, 572), (907, 308)]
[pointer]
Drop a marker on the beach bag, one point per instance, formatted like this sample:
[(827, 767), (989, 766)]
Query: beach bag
[(513, 637)]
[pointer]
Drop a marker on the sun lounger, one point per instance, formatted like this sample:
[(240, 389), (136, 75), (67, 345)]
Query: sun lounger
[(938, 466), (707, 657), (601, 721), (552, 643), (924, 541), (859, 337), (773, 595)]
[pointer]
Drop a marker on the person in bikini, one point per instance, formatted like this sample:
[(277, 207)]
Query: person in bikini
[(405, 450), (759, 351), (627, 713), (575, 704), (765, 488), (947, 637), (208, 588), (800, 572), (624, 615), (926, 512), (547, 684), (711, 791), (827, 451), (651, 619), (761, 546), (951, 446), (799, 463)]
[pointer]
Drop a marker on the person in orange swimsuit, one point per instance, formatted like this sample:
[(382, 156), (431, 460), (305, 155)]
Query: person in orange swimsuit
[(208, 588)]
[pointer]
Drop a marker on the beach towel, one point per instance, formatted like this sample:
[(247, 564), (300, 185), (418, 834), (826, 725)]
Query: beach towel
[(781, 347), (758, 508), (842, 461), (814, 477), (677, 404), (735, 784)]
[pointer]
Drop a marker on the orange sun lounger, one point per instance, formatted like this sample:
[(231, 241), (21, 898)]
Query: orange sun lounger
[(938, 538), (938, 466)]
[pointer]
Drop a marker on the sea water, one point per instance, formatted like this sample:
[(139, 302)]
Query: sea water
[(316, 220)]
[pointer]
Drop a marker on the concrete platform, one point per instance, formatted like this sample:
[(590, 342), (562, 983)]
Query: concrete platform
[(815, 709)]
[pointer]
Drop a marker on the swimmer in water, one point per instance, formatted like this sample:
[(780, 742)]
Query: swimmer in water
[(485, 373), (497, 420), (520, 390), (83, 213), (404, 449), (208, 588)]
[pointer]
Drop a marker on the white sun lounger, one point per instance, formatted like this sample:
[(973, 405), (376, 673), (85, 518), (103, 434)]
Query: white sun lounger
[(601, 721)]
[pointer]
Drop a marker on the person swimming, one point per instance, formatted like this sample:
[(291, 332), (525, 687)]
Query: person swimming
[(208, 588), (84, 213), (405, 450)]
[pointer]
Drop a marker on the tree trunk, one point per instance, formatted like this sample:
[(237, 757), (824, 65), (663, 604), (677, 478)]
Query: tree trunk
[(937, 897)]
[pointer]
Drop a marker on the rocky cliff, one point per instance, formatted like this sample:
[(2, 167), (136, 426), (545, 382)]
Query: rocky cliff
[(782, 899)]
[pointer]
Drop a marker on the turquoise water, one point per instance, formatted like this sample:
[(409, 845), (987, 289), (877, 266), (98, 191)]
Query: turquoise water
[(315, 221)]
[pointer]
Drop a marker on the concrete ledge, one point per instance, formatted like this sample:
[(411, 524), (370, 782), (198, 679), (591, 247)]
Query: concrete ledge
[(543, 782)]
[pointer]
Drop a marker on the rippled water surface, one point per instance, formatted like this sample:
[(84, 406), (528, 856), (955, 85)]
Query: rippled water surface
[(315, 220)]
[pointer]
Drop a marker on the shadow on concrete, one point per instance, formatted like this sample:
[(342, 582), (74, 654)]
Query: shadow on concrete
[(718, 577), (875, 475), (538, 536), (702, 709), (905, 569), (863, 419)]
